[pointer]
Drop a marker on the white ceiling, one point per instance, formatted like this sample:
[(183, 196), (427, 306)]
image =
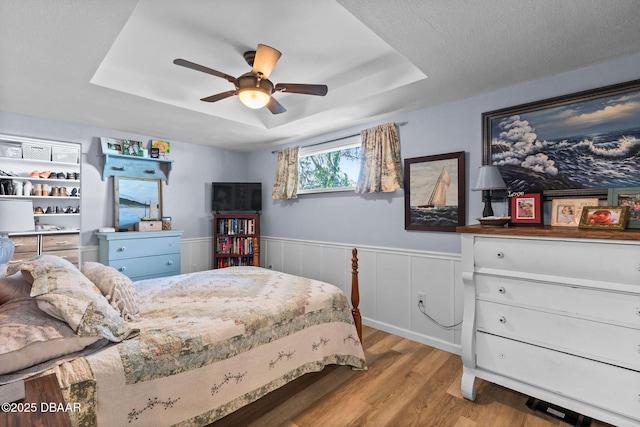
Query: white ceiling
[(108, 64)]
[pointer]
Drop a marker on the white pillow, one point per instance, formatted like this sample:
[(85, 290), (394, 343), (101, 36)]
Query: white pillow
[(66, 294), (117, 288), (30, 336)]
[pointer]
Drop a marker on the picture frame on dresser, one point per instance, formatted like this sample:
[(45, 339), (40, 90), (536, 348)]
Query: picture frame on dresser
[(610, 217), (526, 209), (629, 196), (557, 145), (434, 192), (135, 199), (567, 212)]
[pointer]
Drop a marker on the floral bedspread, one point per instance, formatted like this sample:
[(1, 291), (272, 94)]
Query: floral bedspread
[(211, 342)]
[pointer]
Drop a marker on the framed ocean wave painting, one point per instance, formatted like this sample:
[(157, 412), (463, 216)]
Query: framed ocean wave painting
[(578, 144), (434, 192)]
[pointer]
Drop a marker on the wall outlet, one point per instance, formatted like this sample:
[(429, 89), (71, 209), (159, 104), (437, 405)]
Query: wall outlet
[(422, 298)]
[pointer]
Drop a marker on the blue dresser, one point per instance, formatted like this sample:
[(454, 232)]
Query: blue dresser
[(141, 255)]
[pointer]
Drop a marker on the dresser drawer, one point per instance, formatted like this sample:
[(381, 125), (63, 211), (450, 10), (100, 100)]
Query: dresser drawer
[(595, 304), (615, 261), (54, 242), (71, 255), (124, 248), (601, 341), (156, 266), (25, 244), (598, 384)]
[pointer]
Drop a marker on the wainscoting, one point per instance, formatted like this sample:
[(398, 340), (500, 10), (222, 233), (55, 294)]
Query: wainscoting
[(389, 278)]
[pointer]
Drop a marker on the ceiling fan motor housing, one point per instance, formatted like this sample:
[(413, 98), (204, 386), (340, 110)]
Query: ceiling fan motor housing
[(250, 81)]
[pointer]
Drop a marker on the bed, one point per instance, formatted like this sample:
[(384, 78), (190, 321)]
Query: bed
[(181, 350)]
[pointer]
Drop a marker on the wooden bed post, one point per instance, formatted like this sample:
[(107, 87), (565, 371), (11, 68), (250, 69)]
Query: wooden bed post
[(355, 293), (256, 252)]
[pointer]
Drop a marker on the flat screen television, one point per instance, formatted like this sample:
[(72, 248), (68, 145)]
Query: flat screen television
[(236, 197)]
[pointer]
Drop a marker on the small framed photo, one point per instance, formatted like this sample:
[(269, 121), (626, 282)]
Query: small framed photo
[(164, 148), (132, 148), (627, 197), (612, 217), (567, 212), (111, 145), (526, 209)]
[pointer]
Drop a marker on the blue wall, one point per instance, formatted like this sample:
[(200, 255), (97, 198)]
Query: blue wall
[(378, 220)]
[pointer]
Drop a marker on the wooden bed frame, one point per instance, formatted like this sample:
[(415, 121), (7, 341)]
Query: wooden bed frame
[(355, 293)]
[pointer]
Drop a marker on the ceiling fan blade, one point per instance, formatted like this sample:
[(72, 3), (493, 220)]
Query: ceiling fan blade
[(219, 96), (319, 90), (275, 107), (266, 58), (202, 68)]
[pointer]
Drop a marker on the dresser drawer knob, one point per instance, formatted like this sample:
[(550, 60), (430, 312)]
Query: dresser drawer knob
[(170, 263), (64, 242), (122, 268), (502, 320), (122, 249), (500, 255), (502, 290), (638, 311)]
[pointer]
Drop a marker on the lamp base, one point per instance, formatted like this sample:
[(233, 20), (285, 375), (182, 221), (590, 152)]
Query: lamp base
[(488, 209)]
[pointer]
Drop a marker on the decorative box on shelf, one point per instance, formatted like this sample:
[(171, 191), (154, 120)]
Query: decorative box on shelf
[(149, 226)]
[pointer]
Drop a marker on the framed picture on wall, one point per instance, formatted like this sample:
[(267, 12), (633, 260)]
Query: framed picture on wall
[(630, 197), (574, 144), (526, 209), (434, 192)]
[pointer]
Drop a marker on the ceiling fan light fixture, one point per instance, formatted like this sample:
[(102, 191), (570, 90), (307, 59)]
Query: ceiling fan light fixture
[(254, 97)]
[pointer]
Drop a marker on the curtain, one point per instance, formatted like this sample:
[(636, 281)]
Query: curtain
[(380, 164), (286, 183)]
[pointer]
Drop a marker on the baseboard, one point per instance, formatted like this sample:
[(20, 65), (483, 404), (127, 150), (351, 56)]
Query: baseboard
[(413, 336)]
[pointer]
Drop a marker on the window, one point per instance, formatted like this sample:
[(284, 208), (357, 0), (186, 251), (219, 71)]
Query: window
[(329, 167)]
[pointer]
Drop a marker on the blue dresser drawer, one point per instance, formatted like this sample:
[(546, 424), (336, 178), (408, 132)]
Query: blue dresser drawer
[(141, 255), (145, 268), (127, 248)]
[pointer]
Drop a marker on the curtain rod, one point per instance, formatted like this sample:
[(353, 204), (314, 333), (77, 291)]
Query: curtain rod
[(338, 139)]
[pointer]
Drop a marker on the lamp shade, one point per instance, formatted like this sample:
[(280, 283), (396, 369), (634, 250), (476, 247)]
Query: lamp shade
[(16, 216), (489, 178)]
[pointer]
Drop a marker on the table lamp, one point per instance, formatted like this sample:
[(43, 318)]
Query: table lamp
[(15, 216), (489, 179)]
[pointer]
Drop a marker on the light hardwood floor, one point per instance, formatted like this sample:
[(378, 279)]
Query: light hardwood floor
[(407, 384)]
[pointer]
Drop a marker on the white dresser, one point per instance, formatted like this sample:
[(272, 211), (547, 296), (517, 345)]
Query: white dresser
[(555, 314)]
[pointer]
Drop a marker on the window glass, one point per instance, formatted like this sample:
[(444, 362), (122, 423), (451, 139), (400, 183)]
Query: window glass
[(329, 167)]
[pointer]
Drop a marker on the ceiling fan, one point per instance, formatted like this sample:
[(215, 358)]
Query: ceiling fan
[(254, 88)]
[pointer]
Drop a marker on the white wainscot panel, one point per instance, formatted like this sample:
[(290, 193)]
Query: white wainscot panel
[(393, 289), (433, 277)]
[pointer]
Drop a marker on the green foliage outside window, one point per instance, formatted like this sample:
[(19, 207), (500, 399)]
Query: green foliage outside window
[(333, 169)]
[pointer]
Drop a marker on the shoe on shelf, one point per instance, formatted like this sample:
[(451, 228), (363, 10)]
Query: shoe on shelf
[(49, 210), (35, 174), (38, 210), (74, 192)]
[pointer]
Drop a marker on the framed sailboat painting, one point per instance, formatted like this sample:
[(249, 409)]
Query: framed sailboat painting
[(434, 192)]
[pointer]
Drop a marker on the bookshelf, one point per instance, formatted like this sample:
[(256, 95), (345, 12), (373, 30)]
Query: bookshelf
[(236, 240)]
